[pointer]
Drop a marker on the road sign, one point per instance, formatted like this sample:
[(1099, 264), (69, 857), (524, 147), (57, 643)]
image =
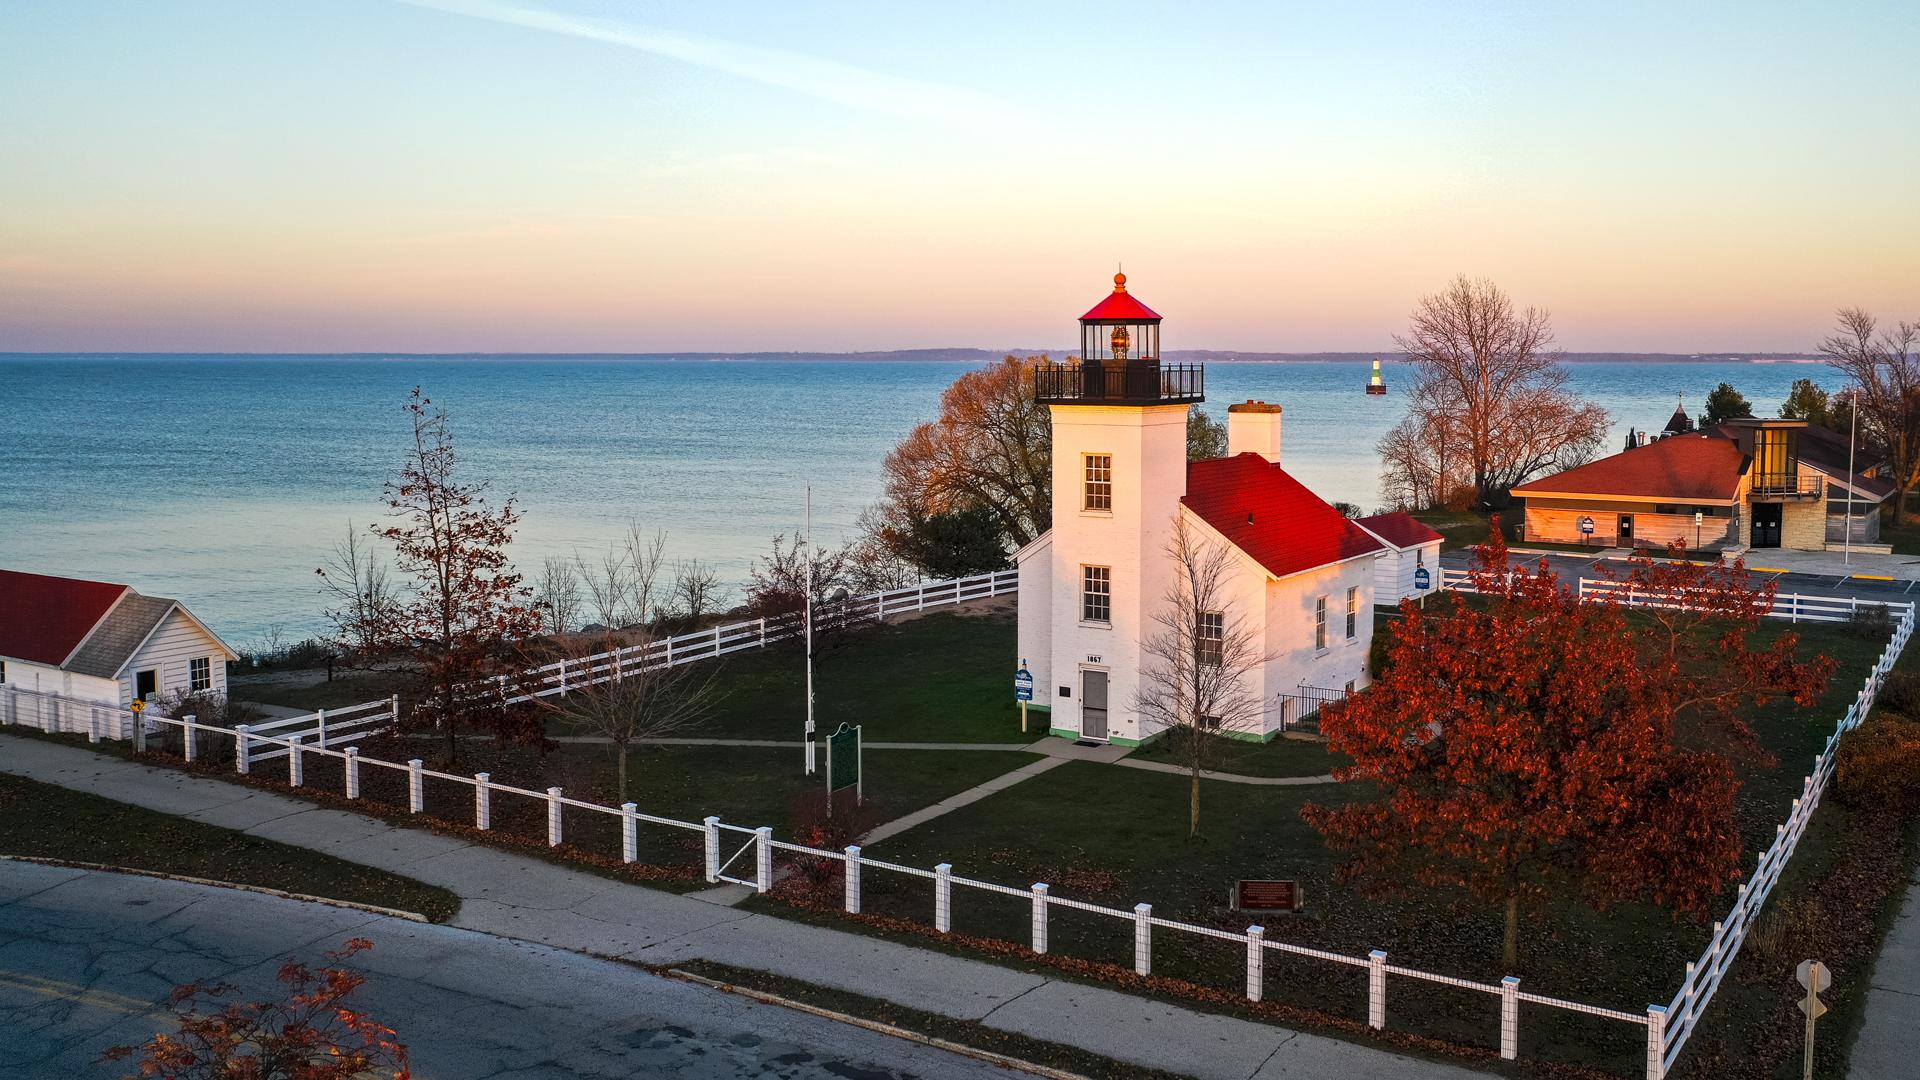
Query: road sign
[(1814, 975), (138, 706), (1023, 683), (1421, 579), (843, 760), (1586, 526)]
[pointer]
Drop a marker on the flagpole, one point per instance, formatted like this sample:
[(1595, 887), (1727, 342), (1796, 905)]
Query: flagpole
[(809, 634)]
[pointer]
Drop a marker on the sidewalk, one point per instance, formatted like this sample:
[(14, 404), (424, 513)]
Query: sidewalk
[(529, 900), (1889, 1039)]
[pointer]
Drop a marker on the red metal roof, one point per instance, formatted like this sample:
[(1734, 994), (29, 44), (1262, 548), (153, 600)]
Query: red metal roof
[(1400, 529), (43, 619), (1120, 304), (1271, 516), (1681, 467)]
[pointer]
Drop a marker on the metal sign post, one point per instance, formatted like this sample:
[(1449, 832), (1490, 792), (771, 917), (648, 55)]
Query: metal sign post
[(808, 616), (1816, 978), (1023, 691)]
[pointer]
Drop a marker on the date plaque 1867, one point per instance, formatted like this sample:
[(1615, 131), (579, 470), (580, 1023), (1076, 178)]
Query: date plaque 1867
[(1257, 895)]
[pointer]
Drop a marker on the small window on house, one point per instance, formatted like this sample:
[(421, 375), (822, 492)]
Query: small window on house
[(199, 674), (1349, 686), (1353, 612), (1099, 486), (1420, 556), (1320, 624), (1209, 723), (3, 671), (1210, 637), (1096, 595)]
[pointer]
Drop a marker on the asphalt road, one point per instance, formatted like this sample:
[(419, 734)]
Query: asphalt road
[(1571, 567), (87, 960)]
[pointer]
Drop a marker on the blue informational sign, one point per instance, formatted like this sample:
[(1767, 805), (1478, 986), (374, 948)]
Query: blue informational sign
[(1586, 526), (1023, 683), (1421, 579)]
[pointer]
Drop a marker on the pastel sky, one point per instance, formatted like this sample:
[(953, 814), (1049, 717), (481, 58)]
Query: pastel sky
[(525, 175)]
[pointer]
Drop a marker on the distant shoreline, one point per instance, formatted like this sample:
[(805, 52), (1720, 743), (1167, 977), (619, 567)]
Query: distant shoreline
[(895, 356)]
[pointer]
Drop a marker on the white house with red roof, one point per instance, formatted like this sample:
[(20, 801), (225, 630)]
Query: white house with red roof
[(100, 642), (1410, 566), (1091, 586)]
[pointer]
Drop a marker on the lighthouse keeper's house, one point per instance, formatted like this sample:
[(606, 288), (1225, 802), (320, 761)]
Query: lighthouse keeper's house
[(1092, 585), (106, 643)]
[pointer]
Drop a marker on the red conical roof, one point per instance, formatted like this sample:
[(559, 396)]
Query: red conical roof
[(1120, 305)]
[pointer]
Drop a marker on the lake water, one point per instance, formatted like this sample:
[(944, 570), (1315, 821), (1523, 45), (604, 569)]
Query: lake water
[(224, 480)]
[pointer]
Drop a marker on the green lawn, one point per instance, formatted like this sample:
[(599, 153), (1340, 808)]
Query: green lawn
[(1118, 837), (346, 688), (51, 822), (1278, 757), (943, 677)]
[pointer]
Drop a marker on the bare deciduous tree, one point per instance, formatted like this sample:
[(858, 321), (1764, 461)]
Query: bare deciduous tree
[(1487, 387), (607, 585), (696, 589), (639, 703), (1884, 367), (558, 595), (1199, 680), (364, 600)]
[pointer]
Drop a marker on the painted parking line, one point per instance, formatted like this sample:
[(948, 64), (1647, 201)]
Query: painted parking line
[(1768, 570), (1872, 577)]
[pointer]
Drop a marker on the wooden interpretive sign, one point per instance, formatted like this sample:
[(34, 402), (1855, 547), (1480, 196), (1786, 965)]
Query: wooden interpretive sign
[(1258, 895)]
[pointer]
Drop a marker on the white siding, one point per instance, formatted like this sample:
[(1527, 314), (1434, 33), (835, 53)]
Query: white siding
[(1036, 616), (48, 679), (1290, 632), (176, 641), (1393, 573)]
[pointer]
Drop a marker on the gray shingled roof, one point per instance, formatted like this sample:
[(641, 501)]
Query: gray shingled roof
[(113, 642)]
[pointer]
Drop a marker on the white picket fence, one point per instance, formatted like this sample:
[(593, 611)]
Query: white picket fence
[(568, 674), (62, 715), (327, 727), (1793, 607), (1667, 1027)]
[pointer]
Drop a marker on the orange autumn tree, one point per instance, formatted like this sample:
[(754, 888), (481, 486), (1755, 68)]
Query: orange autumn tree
[(311, 1033), (1533, 745)]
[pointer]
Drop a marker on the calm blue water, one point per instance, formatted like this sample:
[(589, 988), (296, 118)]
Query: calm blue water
[(224, 481)]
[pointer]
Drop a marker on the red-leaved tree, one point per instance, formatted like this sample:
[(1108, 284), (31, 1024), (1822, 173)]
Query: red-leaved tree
[(1532, 744), (467, 613), (311, 1033)]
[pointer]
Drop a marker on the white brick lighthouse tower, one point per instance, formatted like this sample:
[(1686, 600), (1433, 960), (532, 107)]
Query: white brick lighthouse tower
[(1089, 588)]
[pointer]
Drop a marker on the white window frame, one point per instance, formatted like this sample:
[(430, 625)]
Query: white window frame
[(1095, 487), (1091, 576), (1320, 625), (1353, 612), (197, 684), (1210, 638)]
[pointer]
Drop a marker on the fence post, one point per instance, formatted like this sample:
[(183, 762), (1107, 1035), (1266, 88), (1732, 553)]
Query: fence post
[(353, 772), (320, 725), (629, 832), (393, 709), (1510, 1018), (242, 750), (943, 897), (563, 676), (296, 765), (139, 729), (482, 801), (1656, 1042), (416, 786), (1256, 962), (713, 848), (553, 817), (1377, 989), (763, 859), (93, 725), (1142, 939), (763, 633), (1040, 918), (1793, 609), (188, 750), (853, 879)]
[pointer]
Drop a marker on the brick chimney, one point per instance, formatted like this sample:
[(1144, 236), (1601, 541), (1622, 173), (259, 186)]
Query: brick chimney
[(1254, 426)]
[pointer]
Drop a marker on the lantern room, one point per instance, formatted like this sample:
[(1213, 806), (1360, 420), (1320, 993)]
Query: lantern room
[(1119, 361)]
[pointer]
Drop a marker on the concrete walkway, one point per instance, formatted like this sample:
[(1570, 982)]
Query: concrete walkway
[(530, 900), (1888, 1044), (1231, 778), (965, 798)]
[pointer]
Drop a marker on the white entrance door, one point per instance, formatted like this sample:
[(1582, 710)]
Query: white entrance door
[(1093, 705)]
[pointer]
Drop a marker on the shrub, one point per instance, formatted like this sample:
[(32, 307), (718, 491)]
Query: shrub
[(1870, 623), (1901, 693), (814, 879), (1879, 764)]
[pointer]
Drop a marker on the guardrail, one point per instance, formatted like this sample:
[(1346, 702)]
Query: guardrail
[(568, 674)]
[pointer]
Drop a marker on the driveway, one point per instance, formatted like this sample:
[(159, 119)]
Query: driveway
[(87, 960)]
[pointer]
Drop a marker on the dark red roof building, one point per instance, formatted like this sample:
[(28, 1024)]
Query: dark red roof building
[(1271, 516)]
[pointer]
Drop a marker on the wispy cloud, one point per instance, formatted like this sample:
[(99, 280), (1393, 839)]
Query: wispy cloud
[(828, 80)]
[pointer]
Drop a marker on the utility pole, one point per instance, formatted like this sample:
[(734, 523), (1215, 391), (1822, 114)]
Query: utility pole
[(809, 631)]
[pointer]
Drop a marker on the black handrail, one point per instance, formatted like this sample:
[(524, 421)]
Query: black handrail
[(1130, 382)]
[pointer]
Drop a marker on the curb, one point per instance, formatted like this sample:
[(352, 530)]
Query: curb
[(908, 1034), (375, 909)]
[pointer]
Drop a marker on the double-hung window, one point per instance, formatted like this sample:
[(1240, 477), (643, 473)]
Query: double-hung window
[(1210, 637), (1320, 624), (199, 674), (1096, 594), (1099, 483), (1353, 612)]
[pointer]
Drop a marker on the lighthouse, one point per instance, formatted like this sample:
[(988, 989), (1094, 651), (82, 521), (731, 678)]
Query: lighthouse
[(1376, 385)]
